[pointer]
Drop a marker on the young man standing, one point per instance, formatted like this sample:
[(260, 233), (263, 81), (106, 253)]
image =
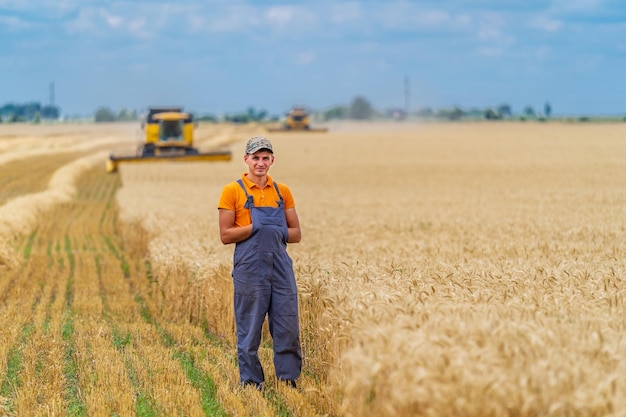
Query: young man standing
[(259, 216)]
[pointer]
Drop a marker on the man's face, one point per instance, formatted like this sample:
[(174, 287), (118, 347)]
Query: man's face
[(259, 163)]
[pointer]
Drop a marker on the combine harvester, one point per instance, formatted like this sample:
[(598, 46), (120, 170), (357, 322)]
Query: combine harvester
[(168, 136), (298, 119)]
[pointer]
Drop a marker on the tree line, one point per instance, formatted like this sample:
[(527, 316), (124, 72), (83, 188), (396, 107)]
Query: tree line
[(503, 111), (360, 108), (28, 112)]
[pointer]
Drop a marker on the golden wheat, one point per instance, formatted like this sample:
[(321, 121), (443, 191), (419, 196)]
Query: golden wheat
[(408, 237), (470, 269)]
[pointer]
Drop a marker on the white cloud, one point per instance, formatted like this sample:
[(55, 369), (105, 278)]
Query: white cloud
[(290, 17), (196, 22), (546, 23), (110, 19), (490, 51), (408, 16), (100, 22), (576, 5), (244, 19), (462, 21), (230, 19), (490, 27), (84, 22), (281, 16), (434, 18), (139, 28), (489, 33), (415, 17), (234, 19), (492, 34), (13, 24), (543, 52), (346, 12), (25, 5), (306, 58)]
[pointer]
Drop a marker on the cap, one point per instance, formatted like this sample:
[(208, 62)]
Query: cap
[(257, 143)]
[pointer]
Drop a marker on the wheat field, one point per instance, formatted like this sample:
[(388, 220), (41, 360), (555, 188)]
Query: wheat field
[(471, 269)]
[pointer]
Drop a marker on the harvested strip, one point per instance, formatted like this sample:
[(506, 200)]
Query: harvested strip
[(41, 378), (26, 151), (20, 215), (24, 322), (220, 364), (30, 175)]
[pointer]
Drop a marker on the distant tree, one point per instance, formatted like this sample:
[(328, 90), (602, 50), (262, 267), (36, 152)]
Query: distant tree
[(547, 109), (529, 111), (50, 112), (361, 109), (237, 118), (104, 114), (253, 115), (337, 112), (455, 113), (37, 118), (122, 114), (8, 109), (27, 111), (424, 112), (504, 110), (125, 115), (491, 114), (474, 113), (206, 118), (21, 112)]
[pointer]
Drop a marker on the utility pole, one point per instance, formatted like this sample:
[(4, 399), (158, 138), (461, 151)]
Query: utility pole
[(407, 94), (52, 94)]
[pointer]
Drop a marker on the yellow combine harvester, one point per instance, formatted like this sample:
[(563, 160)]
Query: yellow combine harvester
[(298, 119), (168, 136)]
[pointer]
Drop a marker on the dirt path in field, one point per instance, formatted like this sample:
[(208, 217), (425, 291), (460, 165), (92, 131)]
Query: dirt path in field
[(79, 335)]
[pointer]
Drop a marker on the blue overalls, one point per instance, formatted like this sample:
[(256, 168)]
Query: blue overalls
[(265, 284)]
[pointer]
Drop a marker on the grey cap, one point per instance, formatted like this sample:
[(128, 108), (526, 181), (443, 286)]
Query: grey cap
[(257, 143)]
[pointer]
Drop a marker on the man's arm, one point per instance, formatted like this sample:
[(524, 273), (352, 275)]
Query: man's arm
[(228, 232), (293, 224)]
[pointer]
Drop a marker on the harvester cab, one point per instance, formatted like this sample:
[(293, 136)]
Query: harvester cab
[(168, 134), (297, 119), (171, 129), (168, 131)]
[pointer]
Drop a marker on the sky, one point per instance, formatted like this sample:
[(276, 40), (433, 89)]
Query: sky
[(224, 56)]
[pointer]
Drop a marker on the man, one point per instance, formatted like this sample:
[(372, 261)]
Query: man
[(259, 216)]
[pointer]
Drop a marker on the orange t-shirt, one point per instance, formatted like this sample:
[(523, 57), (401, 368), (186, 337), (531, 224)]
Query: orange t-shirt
[(233, 198)]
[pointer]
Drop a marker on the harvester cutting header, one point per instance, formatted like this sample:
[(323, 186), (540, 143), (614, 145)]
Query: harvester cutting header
[(298, 119), (168, 134)]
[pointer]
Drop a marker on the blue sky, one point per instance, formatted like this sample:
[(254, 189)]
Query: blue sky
[(216, 56)]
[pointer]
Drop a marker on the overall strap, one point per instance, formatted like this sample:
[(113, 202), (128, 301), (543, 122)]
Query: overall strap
[(249, 198), (281, 202)]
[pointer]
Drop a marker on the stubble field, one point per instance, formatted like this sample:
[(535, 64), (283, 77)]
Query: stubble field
[(444, 270)]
